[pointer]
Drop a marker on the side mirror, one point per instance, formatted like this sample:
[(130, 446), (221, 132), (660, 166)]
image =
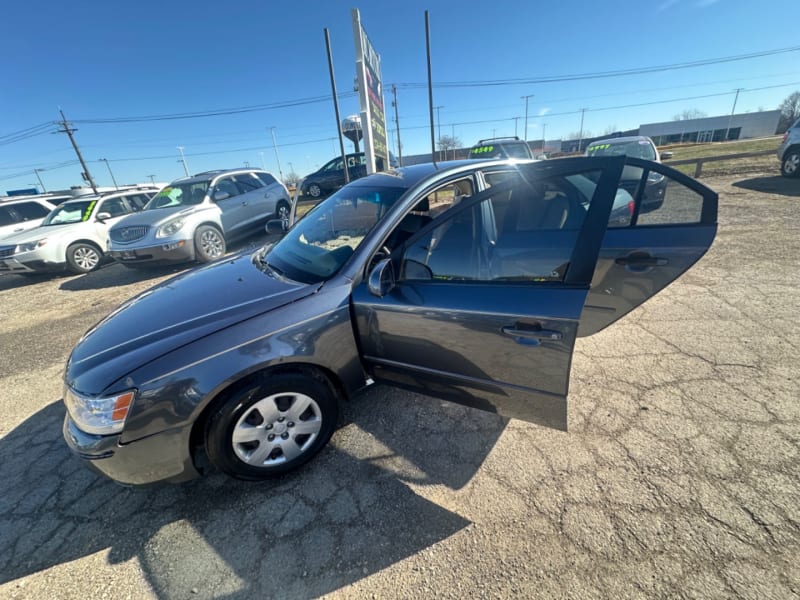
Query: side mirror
[(103, 216), (381, 278), (275, 226), (665, 155), (220, 195)]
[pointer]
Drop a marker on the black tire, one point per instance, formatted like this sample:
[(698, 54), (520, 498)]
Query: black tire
[(282, 212), (255, 433), (314, 190), (209, 244), (83, 257), (790, 165)]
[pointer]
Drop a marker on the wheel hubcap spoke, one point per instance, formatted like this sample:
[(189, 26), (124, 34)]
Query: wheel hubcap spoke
[(271, 431)]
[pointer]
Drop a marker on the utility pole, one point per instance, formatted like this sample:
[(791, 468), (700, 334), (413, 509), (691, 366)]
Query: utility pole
[(275, 146), (87, 176), (105, 160), (152, 179), (263, 164), (183, 160), (36, 171), (544, 138), (580, 139), (526, 114), (439, 127), (397, 125), (516, 119), (735, 99), (247, 164)]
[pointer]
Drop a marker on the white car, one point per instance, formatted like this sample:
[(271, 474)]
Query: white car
[(22, 214), (73, 236)]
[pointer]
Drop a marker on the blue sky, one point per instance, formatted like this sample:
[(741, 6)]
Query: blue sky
[(101, 60)]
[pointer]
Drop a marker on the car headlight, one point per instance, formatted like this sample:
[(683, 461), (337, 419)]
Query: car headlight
[(30, 246), (170, 228), (98, 416)]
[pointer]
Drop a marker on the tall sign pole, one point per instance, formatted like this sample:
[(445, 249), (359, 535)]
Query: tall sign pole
[(336, 106), (370, 94)]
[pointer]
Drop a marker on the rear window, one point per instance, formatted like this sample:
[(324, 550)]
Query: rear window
[(636, 149)]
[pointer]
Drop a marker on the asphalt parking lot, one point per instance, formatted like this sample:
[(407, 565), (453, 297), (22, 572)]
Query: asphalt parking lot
[(679, 476)]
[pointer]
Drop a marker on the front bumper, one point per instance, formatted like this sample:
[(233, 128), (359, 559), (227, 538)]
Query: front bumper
[(162, 457), (14, 265), (166, 252)]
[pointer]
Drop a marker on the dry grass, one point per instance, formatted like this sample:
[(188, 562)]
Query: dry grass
[(727, 167)]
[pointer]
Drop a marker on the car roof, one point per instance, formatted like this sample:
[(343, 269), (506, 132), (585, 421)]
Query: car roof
[(209, 175), (407, 177), (622, 140)]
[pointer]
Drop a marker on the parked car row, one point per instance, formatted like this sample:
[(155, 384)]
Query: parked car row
[(190, 219)]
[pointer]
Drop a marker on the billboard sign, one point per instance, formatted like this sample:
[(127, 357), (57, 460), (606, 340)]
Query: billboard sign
[(370, 94)]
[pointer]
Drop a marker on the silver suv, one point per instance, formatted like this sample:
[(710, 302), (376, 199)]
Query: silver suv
[(789, 151), (193, 218)]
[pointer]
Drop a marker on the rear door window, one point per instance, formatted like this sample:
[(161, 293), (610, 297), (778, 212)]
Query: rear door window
[(30, 210)]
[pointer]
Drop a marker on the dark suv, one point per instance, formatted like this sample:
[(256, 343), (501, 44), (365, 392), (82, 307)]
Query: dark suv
[(506, 147)]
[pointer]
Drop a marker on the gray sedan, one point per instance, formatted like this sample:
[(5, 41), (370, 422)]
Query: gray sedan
[(467, 281)]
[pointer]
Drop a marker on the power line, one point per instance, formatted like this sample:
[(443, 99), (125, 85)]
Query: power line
[(213, 113), (602, 74)]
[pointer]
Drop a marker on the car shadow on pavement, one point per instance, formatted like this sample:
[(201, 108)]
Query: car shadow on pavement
[(9, 281), (113, 275), (349, 513), (783, 186)]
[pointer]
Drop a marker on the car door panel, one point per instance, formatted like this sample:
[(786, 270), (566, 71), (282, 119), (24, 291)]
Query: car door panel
[(503, 345), (638, 261), (233, 208)]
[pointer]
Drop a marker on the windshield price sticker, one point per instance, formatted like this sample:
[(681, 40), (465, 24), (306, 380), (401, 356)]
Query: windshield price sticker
[(482, 149), (88, 212)]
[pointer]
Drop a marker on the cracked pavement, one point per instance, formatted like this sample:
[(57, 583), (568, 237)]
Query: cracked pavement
[(678, 478)]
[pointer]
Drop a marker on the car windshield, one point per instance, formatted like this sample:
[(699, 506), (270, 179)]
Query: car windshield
[(180, 194), (71, 212), (635, 148), (320, 243)]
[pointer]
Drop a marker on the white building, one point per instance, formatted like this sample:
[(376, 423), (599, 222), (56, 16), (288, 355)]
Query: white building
[(714, 129)]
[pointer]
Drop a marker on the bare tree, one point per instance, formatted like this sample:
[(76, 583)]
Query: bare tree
[(689, 113), (291, 179), (448, 142), (790, 111), (611, 129)]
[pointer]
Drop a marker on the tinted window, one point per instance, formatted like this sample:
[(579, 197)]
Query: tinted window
[(138, 201), (247, 182), (667, 202), (30, 210), (634, 148), (5, 216), (523, 233), (226, 185), (334, 165), (266, 178), (116, 207)]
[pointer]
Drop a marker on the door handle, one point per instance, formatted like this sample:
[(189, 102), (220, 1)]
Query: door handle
[(536, 334), (244, 202), (641, 261)]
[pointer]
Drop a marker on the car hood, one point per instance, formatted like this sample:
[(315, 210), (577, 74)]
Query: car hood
[(174, 313), (157, 216), (37, 233)]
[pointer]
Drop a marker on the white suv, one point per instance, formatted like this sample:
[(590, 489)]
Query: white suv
[(73, 236), (20, 215)]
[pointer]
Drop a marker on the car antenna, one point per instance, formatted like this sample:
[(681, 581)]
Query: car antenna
[(430, 84)]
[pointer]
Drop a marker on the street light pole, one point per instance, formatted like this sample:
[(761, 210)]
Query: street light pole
[(183, 160), (544, 138), (105, 160), (275, 146), (526, 114), (36, 171), (733, 110), (439, 128), (152, 179), (580, 138)]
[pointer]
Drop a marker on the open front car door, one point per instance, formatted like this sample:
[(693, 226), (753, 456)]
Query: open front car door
[(482, 305)]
